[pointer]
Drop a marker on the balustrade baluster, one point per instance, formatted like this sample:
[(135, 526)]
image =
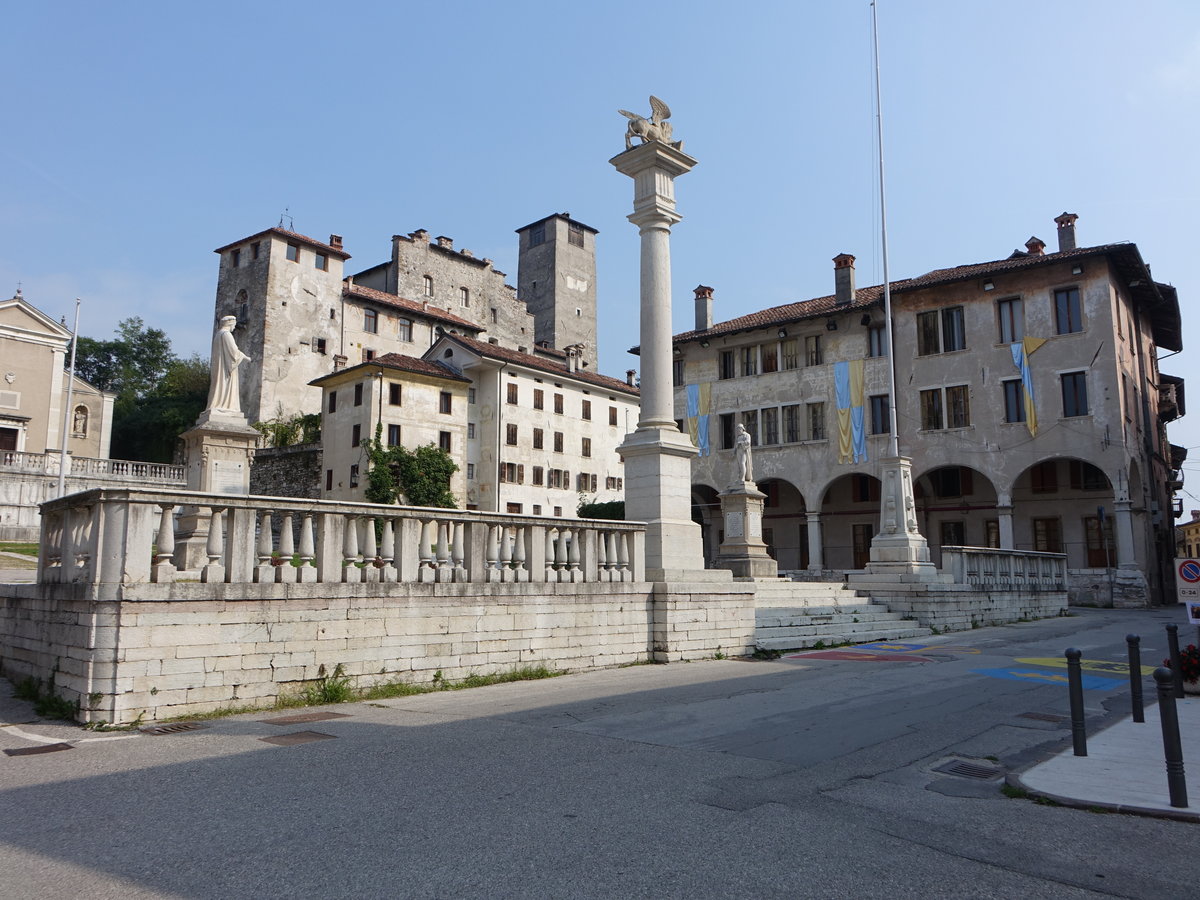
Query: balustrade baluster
[(551, 572), (458, 552), (602, 556), (350, 570), (370, 551), (163, 571), (387, 547), (214, 571), (493, 554), (560, 556), (264, 572), (307, 573), (623, 557), (444, 571), (428, 563), (574, 538), (520, 569), (506, 572), (285, 572)]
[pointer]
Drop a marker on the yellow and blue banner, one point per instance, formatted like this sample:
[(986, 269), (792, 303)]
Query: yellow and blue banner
[(1021, 352), (699, 402), (852, 432)]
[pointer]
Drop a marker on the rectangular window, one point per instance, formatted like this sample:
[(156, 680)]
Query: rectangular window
[(512, 393), (1086, 477), (321, 261), (1068, 317), (991, 532), (727, 431), (574, 234), (725, 365), (444, 440), (791, 423), (877, 341), (958, 406), (539, 398), (471, 431), (812, 350), (951, 481), (329, 479), (677, 372), (585, 409), (1074, 394), (790, 350), (428, 285), (770, 426), (293, 252), (953, 534), (510, 434), (1043, 478), (864, 488), (394, 394), (770, 358), (1011, 313), (370, 321), (750, 423), (539, 475), (470, 395), (318, 345), (470, 472), (1101, 550), (464, 297), (358, 391), (558, 403), (953, 332), (612, 416), (931, 410), (367, 354), (539, 439), (816, 421), (333, 401), (1014, 401), (881, 419), (1047, 535), (393, 436), (235, 258), (514, 508), (445, 402), (749, 360), (558, 442), (254, 250), (862, 536), (355, 435), (404, 329), (537, 235), (354, 475), (928, 339), (586, 447)]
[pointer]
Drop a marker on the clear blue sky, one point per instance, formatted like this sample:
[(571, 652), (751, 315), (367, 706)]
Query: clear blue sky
[(140, 136)]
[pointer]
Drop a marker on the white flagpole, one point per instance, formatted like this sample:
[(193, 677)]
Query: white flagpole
[(66, 416), (893, 436)]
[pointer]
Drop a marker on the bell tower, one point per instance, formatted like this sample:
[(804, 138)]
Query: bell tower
[(556, 278)]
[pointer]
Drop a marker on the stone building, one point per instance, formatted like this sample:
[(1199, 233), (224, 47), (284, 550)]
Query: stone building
[(1187, 537), (300, 316), (1082, 466)]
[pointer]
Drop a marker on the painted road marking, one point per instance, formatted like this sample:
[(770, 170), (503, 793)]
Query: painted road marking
[(1095, 665), (899, 647), (1090, 682), (860, 657)]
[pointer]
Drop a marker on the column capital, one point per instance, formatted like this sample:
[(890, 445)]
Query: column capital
[(653, 155)]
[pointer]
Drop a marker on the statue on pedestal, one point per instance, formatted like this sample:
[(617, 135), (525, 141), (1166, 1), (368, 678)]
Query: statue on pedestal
[(223, 391), (656, 128), (744, 461)]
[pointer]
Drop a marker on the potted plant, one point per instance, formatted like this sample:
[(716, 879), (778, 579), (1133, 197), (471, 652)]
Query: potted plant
[(1189, 667)]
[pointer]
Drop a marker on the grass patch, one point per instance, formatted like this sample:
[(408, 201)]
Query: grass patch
[(1015, 793), (440, 683), (46, 703), (25, 549)]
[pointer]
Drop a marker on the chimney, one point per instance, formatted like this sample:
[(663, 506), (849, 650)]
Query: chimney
[(1196, 515), (1036, 246), (335, 241), (704, 300), (349, 282), (843, 278), (629, 376), (1066, 231), (467, 253), (420, 236), (445, 243)]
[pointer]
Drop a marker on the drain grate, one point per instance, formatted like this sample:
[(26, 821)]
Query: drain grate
[(41, 748), (297, 737), (1043, 717), (970, 769), (304, 718), (172, 728)]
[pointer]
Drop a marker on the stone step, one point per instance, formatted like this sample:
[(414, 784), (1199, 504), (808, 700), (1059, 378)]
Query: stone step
[(797, 594), (859, 607), (848, 618), (820, 628), (799, 642)]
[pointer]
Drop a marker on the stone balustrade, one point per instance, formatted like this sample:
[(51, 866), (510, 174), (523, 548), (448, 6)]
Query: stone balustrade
[(110, 537), (84, 466), (994, 568)]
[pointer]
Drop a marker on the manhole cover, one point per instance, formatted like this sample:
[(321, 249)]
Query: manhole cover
[(304, 718), (964, 768), (41, 748), (172, 728), (297, 737), (1043, 717)]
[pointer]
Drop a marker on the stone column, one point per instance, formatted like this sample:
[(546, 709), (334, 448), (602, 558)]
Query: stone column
[(1129, 585), (657, 456), (899, 549), (1004, 513), (816, 551), (743, 551)]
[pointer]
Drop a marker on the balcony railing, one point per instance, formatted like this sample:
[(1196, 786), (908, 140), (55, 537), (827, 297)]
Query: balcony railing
[(116, 537), (83, 466), (1000, 569)]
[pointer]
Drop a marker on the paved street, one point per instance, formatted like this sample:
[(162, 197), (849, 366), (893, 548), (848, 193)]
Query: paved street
[(804, 777)]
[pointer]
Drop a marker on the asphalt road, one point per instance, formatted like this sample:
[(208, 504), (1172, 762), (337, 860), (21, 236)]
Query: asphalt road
[(801, 777)]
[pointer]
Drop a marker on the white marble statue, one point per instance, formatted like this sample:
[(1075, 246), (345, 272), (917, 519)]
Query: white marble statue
[(744, 461), (223, 391), (656, 128)]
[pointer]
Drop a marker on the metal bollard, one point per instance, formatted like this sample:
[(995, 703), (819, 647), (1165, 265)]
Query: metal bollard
[(1135, 676), (1176, 664), (1075, 689), (1172, 748)]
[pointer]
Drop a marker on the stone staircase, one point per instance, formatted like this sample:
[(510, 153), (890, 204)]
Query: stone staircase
[(792, 615)]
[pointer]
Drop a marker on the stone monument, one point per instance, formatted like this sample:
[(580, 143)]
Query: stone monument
[(219, 448), (658, 457), (743, 551)]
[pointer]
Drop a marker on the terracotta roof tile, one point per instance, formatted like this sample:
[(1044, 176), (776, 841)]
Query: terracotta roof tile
[(495, 351), (397, 302), (400, 363), (290, 235)]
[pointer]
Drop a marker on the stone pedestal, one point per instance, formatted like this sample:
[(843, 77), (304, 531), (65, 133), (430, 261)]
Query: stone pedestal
[(899, 548), (218, 453), (742, 550)]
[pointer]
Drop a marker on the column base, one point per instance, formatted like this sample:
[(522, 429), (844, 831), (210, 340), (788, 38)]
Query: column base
[(658, 491)]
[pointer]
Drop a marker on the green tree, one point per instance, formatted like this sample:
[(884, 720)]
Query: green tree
[(613, 509), (420, 477), (130, 365)]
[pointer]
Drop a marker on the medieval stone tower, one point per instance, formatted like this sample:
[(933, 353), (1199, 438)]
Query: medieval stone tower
[(286, 291), (556, 279)]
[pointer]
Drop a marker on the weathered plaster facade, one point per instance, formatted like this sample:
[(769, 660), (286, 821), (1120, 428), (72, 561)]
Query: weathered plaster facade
[(557, 281), (982, 478)]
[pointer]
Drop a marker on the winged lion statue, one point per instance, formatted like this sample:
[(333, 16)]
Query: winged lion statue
[(656, 128)]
